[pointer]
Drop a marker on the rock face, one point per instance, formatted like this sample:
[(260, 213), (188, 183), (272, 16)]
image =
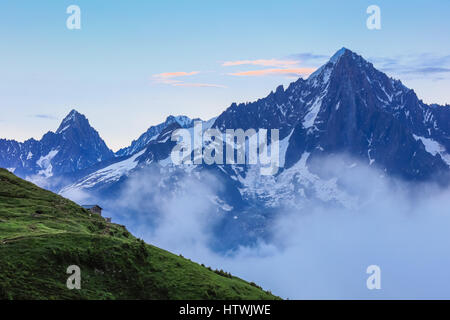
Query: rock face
[(349, 106), (74, 146), (345, 107), (152, 133)]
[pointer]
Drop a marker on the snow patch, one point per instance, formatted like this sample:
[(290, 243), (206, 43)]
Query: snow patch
[(311, 116), (283, 146), (291, 185), (433, 147), (45, 163), (109, 174)]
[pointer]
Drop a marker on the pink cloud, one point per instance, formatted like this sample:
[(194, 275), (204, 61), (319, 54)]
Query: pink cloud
[(265, 72), (175, 74), (198, 85), (169, 78)]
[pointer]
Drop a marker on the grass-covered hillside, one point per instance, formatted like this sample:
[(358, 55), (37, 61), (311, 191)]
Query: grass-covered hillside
[(41, 234)]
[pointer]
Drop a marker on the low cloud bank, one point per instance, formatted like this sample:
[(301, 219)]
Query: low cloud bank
[(319, 251)]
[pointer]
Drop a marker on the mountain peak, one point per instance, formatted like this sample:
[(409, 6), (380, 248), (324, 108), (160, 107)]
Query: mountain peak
[(183, 121), (343, 56), (73, 114), (72, 118), (152, 133), (341, 52)]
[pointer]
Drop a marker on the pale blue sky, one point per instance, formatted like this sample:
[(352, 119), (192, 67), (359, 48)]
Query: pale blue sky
[(109, 69)]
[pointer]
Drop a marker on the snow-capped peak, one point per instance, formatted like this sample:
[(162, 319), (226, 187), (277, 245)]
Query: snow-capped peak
[(72, 118), (322, 74), (335, 58), (183, 121), (331, 63), (152, 133)]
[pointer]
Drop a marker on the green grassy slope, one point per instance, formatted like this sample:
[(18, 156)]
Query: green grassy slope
[(41, 234)]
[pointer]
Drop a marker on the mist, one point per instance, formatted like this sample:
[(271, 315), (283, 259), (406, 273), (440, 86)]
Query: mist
[(315, 251)]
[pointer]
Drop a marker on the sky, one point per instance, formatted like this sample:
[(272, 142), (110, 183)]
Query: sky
[(133, 63)]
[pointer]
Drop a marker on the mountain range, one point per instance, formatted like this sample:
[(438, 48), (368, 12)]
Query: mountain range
[(346, 107), (74, 146)]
